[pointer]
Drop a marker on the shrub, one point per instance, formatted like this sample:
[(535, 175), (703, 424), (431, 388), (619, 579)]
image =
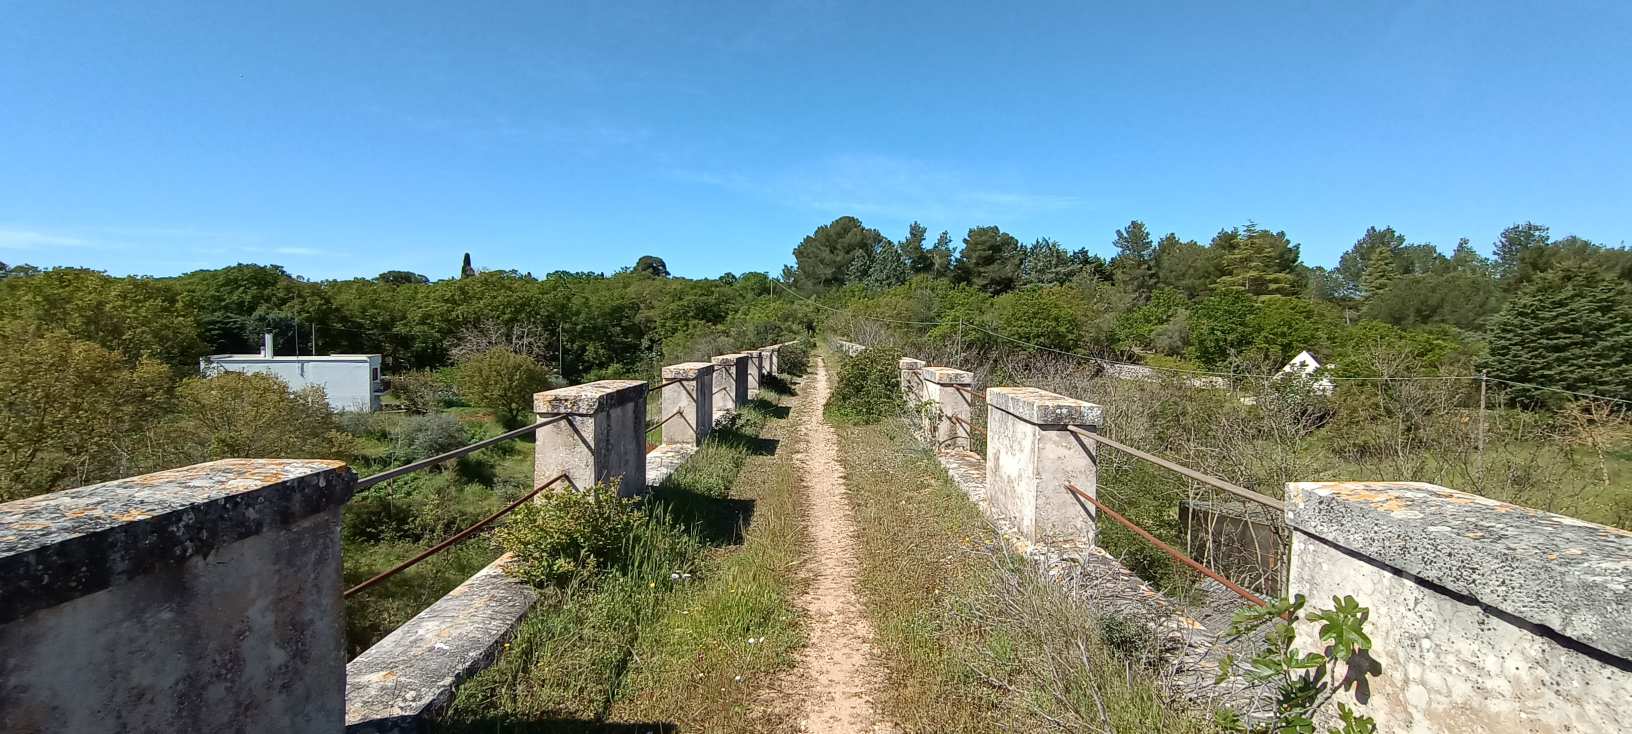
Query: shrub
[(794, 357), (249, 415), (503, 381), (374, 517), (568, 533), (421, 391), (362, 424), (869, 387), (424, 436)]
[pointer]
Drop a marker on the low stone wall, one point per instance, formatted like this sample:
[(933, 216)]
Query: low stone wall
[(849, 349), (1484, 616)]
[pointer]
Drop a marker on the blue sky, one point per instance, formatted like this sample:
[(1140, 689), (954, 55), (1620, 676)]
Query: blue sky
[(344, 139)]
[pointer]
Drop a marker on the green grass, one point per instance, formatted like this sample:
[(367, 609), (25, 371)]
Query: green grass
[(661, 639), (974, 639), (427, 507)]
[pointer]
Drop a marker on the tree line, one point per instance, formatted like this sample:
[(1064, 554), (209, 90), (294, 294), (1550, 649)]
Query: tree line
[(102, 372), (1550, 311)]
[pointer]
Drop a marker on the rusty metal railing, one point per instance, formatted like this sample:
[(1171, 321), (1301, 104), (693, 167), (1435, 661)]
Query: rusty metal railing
[(412, 467), (1213, 481), (452, 540), (1175, 553)]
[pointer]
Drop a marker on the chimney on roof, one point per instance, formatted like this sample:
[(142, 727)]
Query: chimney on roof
[(266, 345)]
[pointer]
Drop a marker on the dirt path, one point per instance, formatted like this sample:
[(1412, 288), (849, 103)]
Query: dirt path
[(831, 687)]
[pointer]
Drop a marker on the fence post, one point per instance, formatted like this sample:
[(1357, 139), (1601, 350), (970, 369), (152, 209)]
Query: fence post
[(756, 370), (946, 392), (603, 437), (205, 598), (692, 399), (730, 384), (1031, 454), (772, 366), (912, 384)]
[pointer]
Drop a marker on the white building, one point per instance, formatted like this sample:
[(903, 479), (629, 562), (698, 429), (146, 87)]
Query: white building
[(1305, 365), (352, 381)]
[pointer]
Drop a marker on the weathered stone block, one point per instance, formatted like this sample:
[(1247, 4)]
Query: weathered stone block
[(602, 438), (1484, 616), (396, 685), (1031, 454), (730, 384), (688, 405), (205, 598), (946, 405)]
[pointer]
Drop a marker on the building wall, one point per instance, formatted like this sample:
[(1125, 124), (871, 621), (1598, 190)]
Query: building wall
[(349, 384)]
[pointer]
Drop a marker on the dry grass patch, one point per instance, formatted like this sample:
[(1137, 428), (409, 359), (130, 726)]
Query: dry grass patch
[(975, 640)]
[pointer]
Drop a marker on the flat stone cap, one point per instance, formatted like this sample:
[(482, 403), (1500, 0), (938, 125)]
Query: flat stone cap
[(947, 376), (57, 547), (729, 359), (589, 398), (908, 363), (1569, 575), (1043, 407), (687, 370)]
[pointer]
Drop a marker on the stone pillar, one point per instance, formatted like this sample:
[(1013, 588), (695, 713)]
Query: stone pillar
[(1483, 616), (205, 598), (756, 370), (772, 354), (912, 384), (947, 397), (1031, 454), (730, 384), (603, 437), (692, 399)]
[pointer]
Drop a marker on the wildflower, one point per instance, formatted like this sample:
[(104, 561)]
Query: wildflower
[(674, 577)]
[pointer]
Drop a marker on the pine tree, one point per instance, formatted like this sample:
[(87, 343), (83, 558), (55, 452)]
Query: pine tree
[(1569, 328), (1134, 266), (940, 256), (1045, 262), (990, 260), (912, 250), (1253, 265), (888, 268), (1380, 272)]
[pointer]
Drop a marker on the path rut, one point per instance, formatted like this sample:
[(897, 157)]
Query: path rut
[(833, 685)]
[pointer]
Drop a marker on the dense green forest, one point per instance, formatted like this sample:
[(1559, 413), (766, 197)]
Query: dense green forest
[(102, 372), (1555, 312)]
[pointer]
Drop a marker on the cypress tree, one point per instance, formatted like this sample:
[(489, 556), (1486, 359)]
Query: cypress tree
[(1569, 328)]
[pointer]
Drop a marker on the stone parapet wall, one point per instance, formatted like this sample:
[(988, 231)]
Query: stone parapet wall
[(1484, 616), (205, 598)]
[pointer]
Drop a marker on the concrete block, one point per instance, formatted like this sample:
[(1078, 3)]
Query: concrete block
[(602, 438), (205, 598), (395, 686), (1484, 616), (688, 405), (1031, 454), (912, 384), (947, 401), (730, 384), (756, 371)]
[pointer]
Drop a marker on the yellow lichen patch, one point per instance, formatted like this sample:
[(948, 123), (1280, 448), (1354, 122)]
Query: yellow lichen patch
[(132, 516)]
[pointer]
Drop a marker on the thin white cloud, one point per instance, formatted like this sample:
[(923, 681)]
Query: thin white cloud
[(297, 251), (886, 186), (24, 239)]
